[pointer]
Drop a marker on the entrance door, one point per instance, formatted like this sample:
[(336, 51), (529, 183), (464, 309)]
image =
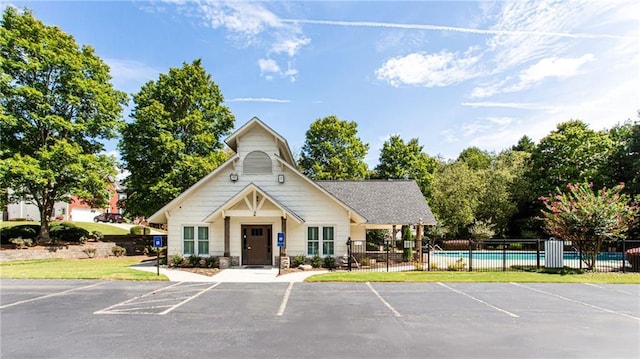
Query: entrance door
[(256, 244)]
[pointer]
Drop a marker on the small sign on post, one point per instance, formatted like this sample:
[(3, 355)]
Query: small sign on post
[(157, 243), (280, 239)]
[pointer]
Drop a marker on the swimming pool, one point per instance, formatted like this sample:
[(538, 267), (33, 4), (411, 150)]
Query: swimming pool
[(518, 255)]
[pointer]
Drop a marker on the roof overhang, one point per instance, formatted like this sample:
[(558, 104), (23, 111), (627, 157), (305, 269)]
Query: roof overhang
[(354, 216), (162, 215)]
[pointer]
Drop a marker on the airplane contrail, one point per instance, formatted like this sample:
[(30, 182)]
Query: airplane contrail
[(451, 28)]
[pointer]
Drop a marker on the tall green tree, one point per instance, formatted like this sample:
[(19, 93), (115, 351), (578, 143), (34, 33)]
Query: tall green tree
[(333, 151), (406, 160), (624, 161), (456, 196), (57, 104), (475, 158), (175, 137), (525, 144), (572, 153), (503, 187)]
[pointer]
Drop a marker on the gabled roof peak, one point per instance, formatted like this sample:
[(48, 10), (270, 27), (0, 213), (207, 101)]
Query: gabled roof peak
[(232, 140)]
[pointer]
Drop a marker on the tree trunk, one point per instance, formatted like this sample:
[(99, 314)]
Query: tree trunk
[(45, 216)]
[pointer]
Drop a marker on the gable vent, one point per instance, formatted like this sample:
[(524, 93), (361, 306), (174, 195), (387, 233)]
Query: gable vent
[(257, 162)]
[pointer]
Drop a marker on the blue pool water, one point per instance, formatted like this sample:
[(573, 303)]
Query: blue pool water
[(521, 256)]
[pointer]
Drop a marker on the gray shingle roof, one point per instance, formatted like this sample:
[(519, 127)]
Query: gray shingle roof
[(384, 201)]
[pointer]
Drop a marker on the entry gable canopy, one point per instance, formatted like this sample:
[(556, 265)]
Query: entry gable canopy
[(253, 201), (385, 202)]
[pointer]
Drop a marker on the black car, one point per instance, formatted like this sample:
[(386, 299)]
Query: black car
[(109, 217)]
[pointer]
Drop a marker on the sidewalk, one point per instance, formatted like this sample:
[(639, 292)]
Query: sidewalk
[(269, 275)]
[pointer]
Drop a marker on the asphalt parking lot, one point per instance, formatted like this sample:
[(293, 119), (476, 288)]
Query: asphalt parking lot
[(118, 319)]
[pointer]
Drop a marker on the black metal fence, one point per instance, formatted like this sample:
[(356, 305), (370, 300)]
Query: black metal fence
[(490, 255)]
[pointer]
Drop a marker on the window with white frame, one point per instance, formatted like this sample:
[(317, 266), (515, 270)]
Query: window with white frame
[(320, 241), (192, 235), (327, 241)]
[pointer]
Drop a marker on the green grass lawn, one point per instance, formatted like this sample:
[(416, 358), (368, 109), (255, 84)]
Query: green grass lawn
[(89, 226), (90, 268), (611, 278)]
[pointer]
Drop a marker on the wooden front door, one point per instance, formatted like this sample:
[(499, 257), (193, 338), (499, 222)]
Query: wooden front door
[(256, 244)]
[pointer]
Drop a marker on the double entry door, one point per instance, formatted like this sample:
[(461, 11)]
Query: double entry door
[(256, 244)]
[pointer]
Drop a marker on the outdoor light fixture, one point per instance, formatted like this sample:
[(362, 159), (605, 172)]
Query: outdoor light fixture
[(233, 177), (280, 178)]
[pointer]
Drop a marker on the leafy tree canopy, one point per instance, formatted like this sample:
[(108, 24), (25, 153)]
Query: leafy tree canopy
[(456, 196), (475, 158), (624, 162), (525, 144), (332, 151), (174, 138), (400, 160), (571, 154), (57, 103)]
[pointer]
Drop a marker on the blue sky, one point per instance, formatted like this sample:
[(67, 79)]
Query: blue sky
[(453, 74)]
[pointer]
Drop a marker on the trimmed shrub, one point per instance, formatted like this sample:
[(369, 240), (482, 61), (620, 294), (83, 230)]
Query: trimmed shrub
[(298, 261), (457, 266), (212, 262), (316, 261), (118, 251), (193, 260), (329, 262), (365, 262), (139, 230), (21, 243), (97, 235), (64, 232), (176, 260), (633, 256), (24, 231), (90, 252)]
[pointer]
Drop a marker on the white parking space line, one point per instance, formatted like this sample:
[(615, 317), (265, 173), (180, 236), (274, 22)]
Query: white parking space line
[(189, 299), (50, 295), (576, 301), (285, 299), (392, 309), (480, 301), (613, 289), (108, 309)]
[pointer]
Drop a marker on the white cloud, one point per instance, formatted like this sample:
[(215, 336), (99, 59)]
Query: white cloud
[(290, 45), (448, 136), (239, 17), (549, 67), (268, 65), (252, 24), (430, 70), (130, 75), (554, 67)]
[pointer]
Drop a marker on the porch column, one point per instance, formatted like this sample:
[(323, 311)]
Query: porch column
[(227, 226), (419, 241), (393, 237), (283, 250)]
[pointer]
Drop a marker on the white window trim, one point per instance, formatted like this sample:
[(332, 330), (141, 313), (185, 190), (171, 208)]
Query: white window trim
[(320, 239), (195, 239)]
